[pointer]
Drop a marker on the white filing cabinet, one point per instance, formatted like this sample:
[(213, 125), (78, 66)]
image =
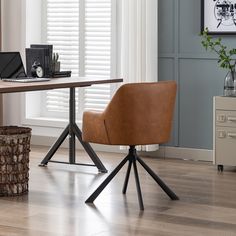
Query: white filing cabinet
[(224, 131)]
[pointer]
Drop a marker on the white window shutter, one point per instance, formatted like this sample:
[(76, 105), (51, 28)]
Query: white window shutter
[(63, 32), (97, 51), (81, 32)]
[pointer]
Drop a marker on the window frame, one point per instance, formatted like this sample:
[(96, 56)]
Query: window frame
[(35, 118)]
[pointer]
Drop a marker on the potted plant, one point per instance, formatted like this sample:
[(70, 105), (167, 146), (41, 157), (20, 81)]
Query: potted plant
[(226, 60)]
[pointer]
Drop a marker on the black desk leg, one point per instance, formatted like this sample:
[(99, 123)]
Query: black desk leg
[(89, 150), (71, 124), (55, 146), (72, 130)]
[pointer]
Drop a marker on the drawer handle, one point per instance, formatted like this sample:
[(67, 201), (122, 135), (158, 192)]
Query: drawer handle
[(230, 118), (232, 135), (221, 118)]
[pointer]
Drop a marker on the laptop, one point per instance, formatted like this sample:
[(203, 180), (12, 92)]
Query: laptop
[(12, 69)]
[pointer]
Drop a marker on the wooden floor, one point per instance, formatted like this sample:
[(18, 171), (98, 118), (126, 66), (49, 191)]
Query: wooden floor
[(55, 203)]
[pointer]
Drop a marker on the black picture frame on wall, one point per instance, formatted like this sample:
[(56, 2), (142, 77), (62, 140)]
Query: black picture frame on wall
[(219, 16)]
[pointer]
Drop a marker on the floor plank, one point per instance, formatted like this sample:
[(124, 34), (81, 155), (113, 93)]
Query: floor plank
[(55, 204)]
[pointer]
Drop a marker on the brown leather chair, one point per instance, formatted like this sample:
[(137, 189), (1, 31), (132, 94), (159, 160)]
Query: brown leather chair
[(138, 114)]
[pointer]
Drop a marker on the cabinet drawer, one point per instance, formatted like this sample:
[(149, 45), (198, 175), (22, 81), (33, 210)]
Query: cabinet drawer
[(225, 103), (225, 118), (225, 146)]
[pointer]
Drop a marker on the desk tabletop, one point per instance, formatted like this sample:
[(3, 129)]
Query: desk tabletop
[(54, 83)]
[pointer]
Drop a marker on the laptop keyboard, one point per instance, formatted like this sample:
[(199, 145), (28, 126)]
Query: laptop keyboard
[(25, 79)]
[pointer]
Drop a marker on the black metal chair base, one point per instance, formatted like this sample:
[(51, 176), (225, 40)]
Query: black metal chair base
[(132, 157)]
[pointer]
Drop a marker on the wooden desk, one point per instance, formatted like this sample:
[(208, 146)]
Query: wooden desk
[(71, 129)]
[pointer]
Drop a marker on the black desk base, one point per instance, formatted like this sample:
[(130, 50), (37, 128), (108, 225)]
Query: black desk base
[(73, 130)]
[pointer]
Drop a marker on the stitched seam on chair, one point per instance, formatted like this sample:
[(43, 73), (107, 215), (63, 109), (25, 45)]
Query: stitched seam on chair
[(107, 132)]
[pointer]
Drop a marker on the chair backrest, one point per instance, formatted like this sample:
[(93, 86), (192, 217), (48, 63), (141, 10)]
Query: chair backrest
[(141, 113)]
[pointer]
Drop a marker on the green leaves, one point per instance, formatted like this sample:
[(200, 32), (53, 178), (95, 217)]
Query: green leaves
[(226, 60), (232, 51)]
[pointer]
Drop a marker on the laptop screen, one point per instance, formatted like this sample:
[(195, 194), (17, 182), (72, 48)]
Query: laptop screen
[(11, 65)]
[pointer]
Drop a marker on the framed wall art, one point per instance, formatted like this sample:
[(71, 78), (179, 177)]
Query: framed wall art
[(219, 16)]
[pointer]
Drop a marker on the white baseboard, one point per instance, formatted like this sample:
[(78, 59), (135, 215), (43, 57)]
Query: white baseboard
[(185, 153), (48, 141), (164, 151)]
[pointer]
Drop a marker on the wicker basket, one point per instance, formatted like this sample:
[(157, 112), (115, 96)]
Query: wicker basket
[(14, 160)]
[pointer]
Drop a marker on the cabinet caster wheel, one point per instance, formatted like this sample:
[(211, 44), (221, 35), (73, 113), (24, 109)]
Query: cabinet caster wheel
[(220, 168)]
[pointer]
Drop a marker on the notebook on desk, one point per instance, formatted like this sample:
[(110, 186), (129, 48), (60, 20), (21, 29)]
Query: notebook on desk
[(12, 69)]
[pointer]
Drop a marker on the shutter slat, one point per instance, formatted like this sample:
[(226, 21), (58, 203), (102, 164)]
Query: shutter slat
[(97, 51), (63, 32)]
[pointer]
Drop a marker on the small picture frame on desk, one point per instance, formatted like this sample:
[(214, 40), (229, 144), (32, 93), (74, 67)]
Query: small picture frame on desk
[(219, 16)]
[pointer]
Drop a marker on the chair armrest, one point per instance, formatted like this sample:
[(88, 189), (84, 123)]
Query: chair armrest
[(93, 128)]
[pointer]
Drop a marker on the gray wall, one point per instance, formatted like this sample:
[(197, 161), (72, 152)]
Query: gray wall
[(182, 58)]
